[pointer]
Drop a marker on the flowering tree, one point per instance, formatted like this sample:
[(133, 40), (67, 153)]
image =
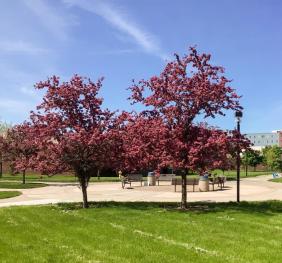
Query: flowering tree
[(212, 148), (140, 141), (208, 149), (17, 147), (72, 129), (188, 88)]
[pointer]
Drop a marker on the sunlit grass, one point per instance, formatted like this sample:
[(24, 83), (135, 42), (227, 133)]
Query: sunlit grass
[(142, 232), (67, 178), (9, 194), (277, 180), (19, 185)]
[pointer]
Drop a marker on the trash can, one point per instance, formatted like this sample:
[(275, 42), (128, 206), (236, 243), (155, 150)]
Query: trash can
[(151, 179), (204, 183)]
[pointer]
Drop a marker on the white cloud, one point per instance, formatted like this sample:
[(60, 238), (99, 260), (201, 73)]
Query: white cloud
[(21, 47), (55, 21), (123, 23)]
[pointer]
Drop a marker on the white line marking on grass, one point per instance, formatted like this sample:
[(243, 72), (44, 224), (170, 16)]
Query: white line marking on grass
[(173, 242), (199, 250), (168, 241), (226, 217), (117, 226)]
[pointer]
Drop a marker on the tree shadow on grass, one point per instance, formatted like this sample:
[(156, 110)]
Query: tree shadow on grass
[(263, 208)]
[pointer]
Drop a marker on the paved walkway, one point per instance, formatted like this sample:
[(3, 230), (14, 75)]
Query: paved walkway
[(252, 189)]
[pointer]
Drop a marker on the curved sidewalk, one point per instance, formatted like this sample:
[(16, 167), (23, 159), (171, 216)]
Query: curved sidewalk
[(252, 189)]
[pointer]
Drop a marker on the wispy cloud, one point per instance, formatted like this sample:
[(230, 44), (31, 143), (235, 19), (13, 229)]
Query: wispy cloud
[(20, 47), (55, 21), (122, 22)]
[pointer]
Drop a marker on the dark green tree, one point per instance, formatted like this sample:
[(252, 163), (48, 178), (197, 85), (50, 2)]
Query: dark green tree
[(251, 158), (272, 157)]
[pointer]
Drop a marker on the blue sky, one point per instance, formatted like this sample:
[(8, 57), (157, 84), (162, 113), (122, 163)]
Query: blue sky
[(126, 39)]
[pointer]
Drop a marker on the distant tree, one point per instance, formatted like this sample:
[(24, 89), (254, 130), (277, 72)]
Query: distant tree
[(18, 148), (228, 164), (4, 126), (272, 157), (72, 130), (251, 158), (187, 89), (229, 151), (1, 154)]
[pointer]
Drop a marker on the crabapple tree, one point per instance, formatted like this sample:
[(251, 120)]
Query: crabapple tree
[(72, 129), (188, 89)]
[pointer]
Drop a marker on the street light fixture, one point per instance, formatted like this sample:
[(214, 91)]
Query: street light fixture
[(238, 116)]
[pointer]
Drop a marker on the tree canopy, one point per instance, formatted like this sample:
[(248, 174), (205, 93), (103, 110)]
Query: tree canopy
[(189, 88)]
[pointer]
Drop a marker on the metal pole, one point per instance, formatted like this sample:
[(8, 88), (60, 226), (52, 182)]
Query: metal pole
[(1, 166), (238, 162)]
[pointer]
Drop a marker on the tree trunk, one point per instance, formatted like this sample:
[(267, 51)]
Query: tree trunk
[(98, 174), (184, 191), (83, 185), (12, 169), (1, 168), (23, 176), (246, 170), (84, 195)]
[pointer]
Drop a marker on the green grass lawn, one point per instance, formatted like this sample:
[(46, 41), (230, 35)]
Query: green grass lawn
[(232, 174), (138, 232), (56, 178), (9, 194), (71, 178), (19, 185), (277, 180)]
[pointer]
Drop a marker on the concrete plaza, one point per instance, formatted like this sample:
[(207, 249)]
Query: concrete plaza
[(252, 189)]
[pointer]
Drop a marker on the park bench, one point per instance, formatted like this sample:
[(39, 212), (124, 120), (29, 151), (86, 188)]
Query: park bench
[(219, 180), (189, 181), (129, 178), (165, 178)]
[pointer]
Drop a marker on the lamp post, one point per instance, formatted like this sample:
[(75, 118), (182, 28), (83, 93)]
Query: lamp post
[(238, 116)]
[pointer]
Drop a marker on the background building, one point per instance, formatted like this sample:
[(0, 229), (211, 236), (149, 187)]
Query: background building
[(260, 140)]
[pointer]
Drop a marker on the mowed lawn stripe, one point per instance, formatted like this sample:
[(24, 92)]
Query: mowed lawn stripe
[(121, 233)]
